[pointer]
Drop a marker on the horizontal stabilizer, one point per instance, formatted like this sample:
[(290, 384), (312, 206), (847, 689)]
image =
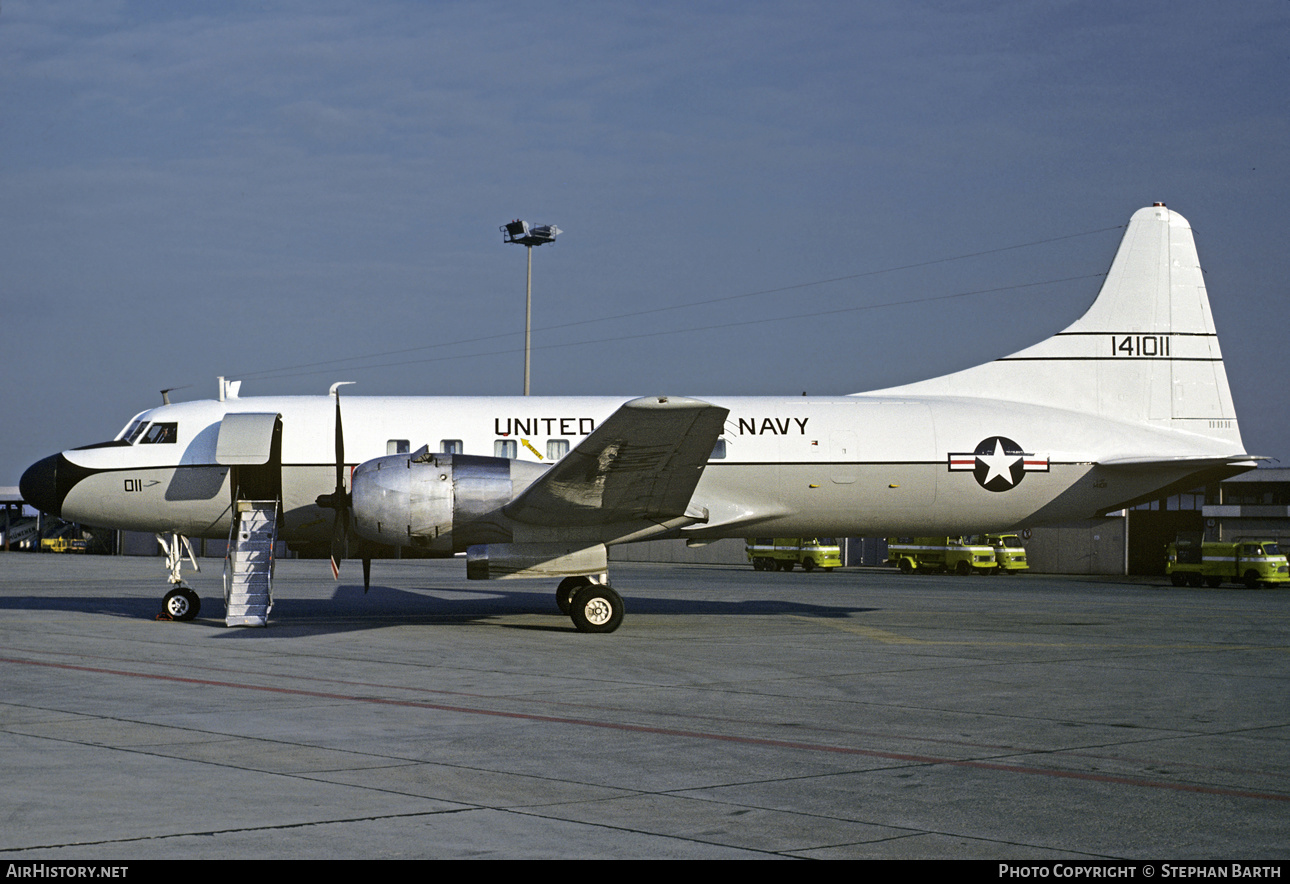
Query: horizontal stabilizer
[(1198, 461)]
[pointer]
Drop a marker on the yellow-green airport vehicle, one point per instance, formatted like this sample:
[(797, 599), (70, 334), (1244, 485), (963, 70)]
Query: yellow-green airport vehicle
[(64, 545), (1009, 552), (1251, 561), (786, 553), (940, 554)]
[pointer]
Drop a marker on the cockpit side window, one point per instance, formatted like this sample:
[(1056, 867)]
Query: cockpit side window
[(160, 434)]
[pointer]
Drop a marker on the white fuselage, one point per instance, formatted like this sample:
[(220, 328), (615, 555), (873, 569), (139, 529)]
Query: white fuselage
[(799, 466)]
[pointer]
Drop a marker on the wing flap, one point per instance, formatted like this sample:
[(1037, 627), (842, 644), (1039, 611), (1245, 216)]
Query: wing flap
[(643, 462)]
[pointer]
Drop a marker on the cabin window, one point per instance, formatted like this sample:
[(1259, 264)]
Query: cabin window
[(507, 448), (160, 434), (452, 446), (397, 446), (719, 450), (556, 448)]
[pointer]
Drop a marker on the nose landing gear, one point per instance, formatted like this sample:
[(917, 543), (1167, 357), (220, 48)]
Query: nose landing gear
[(181, 603)]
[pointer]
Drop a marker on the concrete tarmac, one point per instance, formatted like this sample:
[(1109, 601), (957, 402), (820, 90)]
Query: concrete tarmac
[(857, 714)]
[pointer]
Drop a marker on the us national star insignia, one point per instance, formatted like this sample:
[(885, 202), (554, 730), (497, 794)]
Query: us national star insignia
[(998, 464)]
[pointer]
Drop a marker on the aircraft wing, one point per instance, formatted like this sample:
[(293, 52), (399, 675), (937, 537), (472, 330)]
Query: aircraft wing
[(644, 461)]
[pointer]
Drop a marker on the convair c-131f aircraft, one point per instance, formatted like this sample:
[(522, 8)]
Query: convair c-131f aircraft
[(1128, 403)]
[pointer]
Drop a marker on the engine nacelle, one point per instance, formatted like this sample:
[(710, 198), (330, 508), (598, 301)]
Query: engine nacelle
[(436, 502)]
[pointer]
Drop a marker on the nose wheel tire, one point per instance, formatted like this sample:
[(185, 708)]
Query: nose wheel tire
[(596, 608), (181, 604)]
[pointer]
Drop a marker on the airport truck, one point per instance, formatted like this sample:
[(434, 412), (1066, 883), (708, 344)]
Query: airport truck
[(1250, 561), (786, 553), (1009, 552), (940, 554), (64, 545)]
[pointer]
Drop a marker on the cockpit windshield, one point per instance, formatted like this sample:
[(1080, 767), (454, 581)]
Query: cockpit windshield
[(133, 431), (143, 432)]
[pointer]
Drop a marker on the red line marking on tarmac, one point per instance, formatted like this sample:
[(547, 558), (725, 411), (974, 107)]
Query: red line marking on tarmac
[(674, 732)]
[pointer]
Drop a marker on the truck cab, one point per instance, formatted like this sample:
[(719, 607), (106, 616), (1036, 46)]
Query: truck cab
[(1009, 552)]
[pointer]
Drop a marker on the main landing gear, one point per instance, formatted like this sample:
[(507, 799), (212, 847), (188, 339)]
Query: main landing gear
[(593, 607), (181, 603)]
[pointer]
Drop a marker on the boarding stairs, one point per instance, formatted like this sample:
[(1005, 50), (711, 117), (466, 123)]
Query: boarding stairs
[(248, 564)]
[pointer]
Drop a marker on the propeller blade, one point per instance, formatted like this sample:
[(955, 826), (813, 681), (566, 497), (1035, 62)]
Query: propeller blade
[(339, 500), (339, 539), (340, 449)]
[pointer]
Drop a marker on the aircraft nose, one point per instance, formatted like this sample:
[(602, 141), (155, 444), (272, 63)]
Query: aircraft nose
[(39, 485)]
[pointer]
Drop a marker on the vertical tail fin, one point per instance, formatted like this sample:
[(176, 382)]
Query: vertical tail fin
[(1145, 352)]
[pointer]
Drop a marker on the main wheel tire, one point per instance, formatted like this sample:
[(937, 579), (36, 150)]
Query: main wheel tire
[(181, 604), (565, 592), (808, 565), (1251, 579), (1195, 579), (787, 566), (1178, 579), (1213, 582), (906, 566), (963, 569), (597, 608)]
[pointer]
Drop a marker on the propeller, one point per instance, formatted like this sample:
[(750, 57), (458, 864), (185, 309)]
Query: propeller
[(341, 502)]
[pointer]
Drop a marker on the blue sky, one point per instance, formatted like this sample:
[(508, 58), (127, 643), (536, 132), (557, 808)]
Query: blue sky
[(190, 190)]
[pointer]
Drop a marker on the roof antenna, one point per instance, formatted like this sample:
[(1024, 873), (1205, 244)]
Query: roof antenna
[(165, 394)]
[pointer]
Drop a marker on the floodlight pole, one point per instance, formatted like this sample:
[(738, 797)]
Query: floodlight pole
[(520, 233), (528, 317)]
